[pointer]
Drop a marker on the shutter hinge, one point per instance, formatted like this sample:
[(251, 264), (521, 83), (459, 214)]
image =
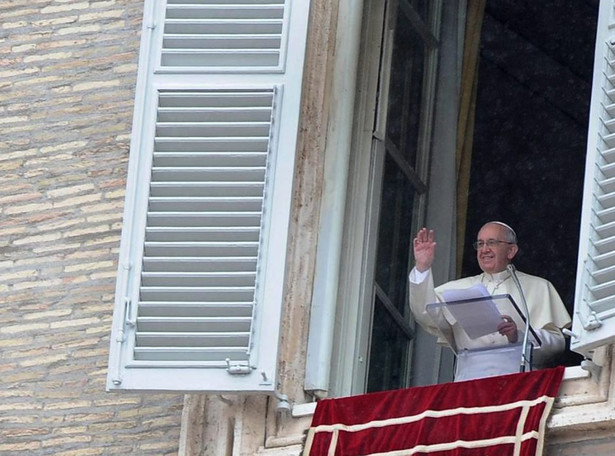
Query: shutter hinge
[(121, 336), (237, 369), (120, 339), (592, 368)]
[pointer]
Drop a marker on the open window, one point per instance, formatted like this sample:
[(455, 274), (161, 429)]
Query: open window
[(554, 83), (376, 342)]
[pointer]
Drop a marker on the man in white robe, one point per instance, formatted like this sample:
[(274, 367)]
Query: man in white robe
[(496, 246)]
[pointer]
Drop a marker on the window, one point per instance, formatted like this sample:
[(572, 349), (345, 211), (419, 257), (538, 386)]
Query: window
[(199, 288), (366, 313), (400, 147), (386, 196)]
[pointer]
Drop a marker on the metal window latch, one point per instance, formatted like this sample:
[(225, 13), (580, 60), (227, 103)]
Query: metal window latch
[(592, 321), (237, 369)]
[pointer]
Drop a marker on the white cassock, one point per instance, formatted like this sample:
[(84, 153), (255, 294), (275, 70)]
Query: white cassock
[(547, 311)]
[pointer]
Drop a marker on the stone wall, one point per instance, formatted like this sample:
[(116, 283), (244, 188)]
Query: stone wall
[(592, 447), (67, 80)]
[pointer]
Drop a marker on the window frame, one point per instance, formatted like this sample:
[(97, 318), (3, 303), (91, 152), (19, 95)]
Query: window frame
[(587, 395), (354, 312)]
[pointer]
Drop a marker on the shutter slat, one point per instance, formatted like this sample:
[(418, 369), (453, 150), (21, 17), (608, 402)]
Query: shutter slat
[(159, 279), (227, 2), (211, 144), (609, 124), (230, 42), (607, 242), (221, 26), (605, 304), (221, 57), (606, 286), (607, 185), (608, 170), (249, 249), (197, 294), (606, 215), (200, 204), (608, 155), (179, 234), (190, 219), (214, 114), (603, 275), (182, 356), (213, 129), (216, 99), (605, 260), (232, 12), (609, 139), (200, 264), (216, 159), (192, 324), (606, 200), (195, 309), (218, 188), (201, 174), (194, 339)]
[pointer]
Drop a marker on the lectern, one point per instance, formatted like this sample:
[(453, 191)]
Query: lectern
[(469, 328)]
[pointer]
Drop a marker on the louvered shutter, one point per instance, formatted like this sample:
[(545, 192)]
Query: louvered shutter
[(593, 318), (201, 273)]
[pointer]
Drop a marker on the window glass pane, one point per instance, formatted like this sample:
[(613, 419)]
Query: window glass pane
[(405, 91), (387, 353), (422, 8), (394, 234)]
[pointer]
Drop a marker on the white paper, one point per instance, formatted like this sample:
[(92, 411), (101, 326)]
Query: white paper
[(477, 318)]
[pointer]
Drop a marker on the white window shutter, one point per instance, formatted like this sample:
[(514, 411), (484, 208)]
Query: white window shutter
[(200, 282), (594, 313)]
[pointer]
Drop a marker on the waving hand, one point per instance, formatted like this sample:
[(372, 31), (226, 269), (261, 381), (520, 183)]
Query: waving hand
[(424, 249)]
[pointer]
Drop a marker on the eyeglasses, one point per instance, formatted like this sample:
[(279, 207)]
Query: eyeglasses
[(491, 243)]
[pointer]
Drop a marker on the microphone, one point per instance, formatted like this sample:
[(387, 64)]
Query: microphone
[(524, 359)]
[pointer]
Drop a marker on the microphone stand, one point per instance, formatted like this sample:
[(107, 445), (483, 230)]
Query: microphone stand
[(525, 362)]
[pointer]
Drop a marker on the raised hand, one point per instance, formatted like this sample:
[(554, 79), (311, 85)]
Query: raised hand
[(424, 249)]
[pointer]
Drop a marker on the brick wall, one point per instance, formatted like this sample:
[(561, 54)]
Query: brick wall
[(67, 78)]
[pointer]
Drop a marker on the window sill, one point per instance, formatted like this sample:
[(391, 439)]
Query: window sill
[(301, 410), (584, 401)]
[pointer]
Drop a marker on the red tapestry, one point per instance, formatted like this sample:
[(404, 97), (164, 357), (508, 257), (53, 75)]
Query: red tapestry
[(495, 416)]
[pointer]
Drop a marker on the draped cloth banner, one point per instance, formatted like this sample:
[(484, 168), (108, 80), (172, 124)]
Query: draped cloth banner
[(495, 416)]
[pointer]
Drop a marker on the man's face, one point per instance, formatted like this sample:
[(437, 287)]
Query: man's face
[(496, 258)]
